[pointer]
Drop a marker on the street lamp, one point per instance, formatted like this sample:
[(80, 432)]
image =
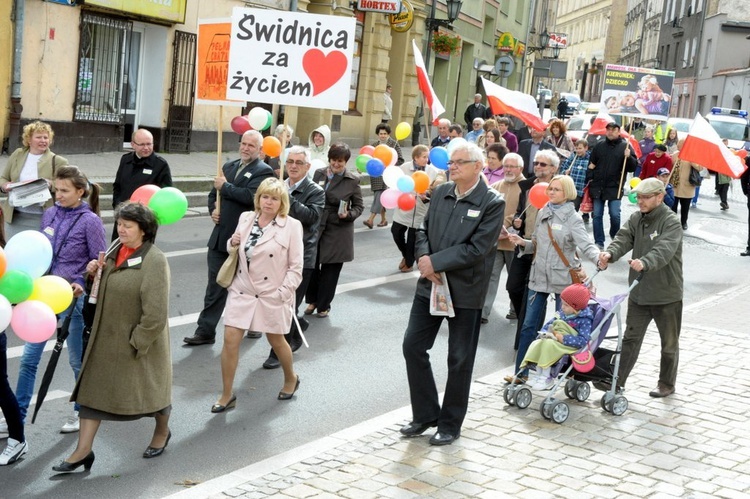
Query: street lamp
[(543, 42), (453, 6)]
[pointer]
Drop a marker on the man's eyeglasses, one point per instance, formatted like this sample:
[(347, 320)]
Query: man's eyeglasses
[(144, 144), (460, 162), (539, 163), (298, 162)]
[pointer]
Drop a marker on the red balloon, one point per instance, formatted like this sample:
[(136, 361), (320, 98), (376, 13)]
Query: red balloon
[(240, 124), (143, 193), (407, 202), (538, 195), (367, 150)]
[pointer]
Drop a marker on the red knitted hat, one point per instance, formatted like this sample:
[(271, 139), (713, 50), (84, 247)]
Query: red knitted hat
[(576, 295)]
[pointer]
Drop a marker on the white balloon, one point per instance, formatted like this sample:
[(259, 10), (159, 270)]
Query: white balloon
[(6, 312), (391, 176), (29, 251), (257, 118), (452, 144), (394, 157)]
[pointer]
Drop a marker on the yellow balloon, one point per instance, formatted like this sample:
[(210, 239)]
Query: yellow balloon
[(634, 182), (54, 291), (403, 130)]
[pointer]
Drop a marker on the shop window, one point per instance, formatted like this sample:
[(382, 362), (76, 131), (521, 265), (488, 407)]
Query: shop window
[(102, 64)]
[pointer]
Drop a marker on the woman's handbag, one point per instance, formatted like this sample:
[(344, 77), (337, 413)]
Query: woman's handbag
[(578, 276), (226, 273), (587, 204), (695, 177), (583, 362)]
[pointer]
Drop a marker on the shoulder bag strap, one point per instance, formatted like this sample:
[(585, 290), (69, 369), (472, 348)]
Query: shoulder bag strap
[(557, 247)]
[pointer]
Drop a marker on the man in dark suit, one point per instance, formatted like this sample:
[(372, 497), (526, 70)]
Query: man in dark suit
[(236, 186), (306, 201), (476, 110), (529, 147), (458, 239)]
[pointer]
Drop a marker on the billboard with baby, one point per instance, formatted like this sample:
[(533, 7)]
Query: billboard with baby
[(637, 92)]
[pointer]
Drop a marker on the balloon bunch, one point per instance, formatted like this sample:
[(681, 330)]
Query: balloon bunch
[(632, 196), (374, 160), (257, 119), (403, 188), (168, 204), (37, 297)]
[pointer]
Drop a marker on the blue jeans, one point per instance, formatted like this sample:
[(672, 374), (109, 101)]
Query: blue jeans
[(32, 355), (536, 307), (463, 338), (614, 219)]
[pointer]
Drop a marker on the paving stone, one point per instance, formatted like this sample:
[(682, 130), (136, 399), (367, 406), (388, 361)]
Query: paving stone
[(234, 492), (301, 491), (354, 493), (417, 486), (325, 485), (466, 488)]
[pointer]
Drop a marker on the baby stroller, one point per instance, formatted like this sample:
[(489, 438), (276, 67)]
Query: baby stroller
[(604, 371)]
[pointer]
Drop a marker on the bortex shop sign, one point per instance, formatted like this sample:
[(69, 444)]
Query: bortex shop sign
[(385, 6)]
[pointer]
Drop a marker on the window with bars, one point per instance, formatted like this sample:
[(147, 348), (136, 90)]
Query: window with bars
[(102, 66)]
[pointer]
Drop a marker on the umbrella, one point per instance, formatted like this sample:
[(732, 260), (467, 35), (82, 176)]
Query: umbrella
[(62, 334), (89, 310)]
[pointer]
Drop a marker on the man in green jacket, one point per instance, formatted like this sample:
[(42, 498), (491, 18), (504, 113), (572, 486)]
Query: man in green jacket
[(655, 236)]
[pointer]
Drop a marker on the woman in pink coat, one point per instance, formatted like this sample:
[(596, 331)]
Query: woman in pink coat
[(261, 296)]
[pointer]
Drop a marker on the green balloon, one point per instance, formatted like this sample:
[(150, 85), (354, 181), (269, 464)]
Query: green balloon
[(361, 162), (16, 285), (269, 120), (169, 205), (633, 197)]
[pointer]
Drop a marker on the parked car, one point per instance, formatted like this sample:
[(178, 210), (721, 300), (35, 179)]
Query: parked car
[(578, 126), (589, 108), (682, 125)]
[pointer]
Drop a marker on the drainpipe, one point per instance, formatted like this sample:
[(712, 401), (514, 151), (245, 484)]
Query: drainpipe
[(15, 91)]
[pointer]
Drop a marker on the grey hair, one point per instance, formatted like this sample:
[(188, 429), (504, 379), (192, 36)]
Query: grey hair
[(300, 150), (475, 153), (256, 135), (550, 155), (516, 156), (444, 122), (280, 129)]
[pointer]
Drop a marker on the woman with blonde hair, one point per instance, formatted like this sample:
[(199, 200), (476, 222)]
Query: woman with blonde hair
[(32, 161), (261, 296)]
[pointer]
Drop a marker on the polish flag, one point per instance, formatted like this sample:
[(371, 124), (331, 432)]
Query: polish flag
[(518, 104), (436, 108), (704, 147), (599, 127)]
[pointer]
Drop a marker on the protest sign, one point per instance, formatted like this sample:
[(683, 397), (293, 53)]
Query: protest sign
[(290, 58), (213, 62), (637, 92)]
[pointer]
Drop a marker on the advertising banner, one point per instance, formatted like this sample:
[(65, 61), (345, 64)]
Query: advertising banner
[(166, 10), (212, 63), (290, 58), (637, 92)]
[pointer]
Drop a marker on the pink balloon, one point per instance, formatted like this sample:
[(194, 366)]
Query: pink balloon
[(389, 198), (33, 321)]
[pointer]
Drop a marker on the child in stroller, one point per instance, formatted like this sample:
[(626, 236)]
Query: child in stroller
[(567, 332)]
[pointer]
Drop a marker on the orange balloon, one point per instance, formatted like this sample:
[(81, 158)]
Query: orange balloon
[(3, 262), (538, 195), (271, 147), (383, 153), (421, 182)]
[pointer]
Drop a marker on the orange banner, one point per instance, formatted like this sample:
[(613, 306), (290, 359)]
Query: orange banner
[(213, 62)]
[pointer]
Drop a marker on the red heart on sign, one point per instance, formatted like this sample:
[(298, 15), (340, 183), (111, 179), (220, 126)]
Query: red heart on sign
[(324, 70)]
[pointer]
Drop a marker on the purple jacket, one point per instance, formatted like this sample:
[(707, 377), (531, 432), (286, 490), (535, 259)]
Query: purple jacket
[(511, 141), (77, 236)]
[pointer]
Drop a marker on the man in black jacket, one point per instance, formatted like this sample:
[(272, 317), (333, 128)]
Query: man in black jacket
[(608, 159), (138, 168), (529, 147), (476, 110), (306, 201), (236, 186), (458, 240)]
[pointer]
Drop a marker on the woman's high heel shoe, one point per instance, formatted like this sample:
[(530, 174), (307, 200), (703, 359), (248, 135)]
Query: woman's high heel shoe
[(288, 396), (66, 467), (216, 408), (156, 451)]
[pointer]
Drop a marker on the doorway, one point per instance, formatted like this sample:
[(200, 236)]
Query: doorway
[(130, 82)]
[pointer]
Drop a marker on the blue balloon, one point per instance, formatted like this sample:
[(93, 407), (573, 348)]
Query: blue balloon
[(405, 184), (439, 157), (375, 167)]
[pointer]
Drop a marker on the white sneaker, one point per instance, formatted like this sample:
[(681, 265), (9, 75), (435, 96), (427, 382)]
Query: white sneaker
[(13, 451), (3, 428), (72, 425)]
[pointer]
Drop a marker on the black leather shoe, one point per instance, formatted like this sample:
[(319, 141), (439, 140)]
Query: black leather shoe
[(443, 438), (153, 451), (746, 252), (416, 429), (271, 363), (197, 339), (216, 408), (288, 396), (303, 323), (66, 467)]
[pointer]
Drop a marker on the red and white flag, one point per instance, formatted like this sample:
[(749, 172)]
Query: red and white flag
[(518, 104), (704, 147), (599, 127), (436, 108)]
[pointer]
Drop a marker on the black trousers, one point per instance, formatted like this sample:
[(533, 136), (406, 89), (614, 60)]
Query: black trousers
[(323, 282), (215, 297), (8, 402), (684, 208), (404, 244)]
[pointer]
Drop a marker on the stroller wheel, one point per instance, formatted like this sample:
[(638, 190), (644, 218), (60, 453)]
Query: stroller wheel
[(508, 395), (559, 412), (544, 407), (523, 398), (582, 392), (605, 403), (619, 405), (570, 388)]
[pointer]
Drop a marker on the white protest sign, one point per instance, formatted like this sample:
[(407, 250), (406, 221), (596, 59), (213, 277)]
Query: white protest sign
[(290, 58)]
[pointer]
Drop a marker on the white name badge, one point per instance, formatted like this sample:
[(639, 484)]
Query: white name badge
[(134, 261), (50, 231), (248, 174), (473, 213), (147, 172)]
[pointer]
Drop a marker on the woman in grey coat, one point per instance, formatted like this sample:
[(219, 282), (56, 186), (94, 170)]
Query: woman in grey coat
[(549, 274)]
